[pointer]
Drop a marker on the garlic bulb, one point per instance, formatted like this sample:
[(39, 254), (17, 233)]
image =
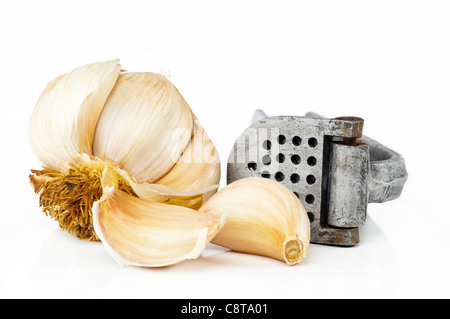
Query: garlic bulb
[(135, 127), (263, 218)]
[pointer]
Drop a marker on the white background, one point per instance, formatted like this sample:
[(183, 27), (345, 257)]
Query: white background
[(385, 61)]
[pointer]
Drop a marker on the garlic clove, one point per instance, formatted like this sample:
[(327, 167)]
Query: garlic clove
[(114, 176), (198, 167), (65, 117), (263, 218), (193, 199), (145, 233), (145, 126)]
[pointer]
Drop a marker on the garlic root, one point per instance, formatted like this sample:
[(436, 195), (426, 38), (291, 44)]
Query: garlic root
[(68, 197)]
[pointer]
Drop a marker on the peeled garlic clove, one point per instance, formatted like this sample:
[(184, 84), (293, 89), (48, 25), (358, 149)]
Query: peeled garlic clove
[(198, 167), (65, 117), (144, 127), (144, 233), (263, 218)]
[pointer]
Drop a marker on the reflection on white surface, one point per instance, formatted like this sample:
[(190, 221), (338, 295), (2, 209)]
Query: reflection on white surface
[(68, 267)]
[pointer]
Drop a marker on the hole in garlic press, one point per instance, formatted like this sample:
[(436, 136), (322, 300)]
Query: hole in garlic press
[(279, 176), (280, 158), (281, 139), (265, 174), (295, 159), (312, 161), (252, 166), (312, 142), (266, 160), (295, 178), (310, 179), (311, 217), (309, 199), (267, 145), (296, 140)]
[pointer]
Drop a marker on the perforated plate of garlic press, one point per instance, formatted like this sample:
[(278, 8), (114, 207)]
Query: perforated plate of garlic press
[(331, 167)]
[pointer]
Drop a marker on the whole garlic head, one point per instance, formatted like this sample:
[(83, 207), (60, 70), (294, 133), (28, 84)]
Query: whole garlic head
[(137, 127)]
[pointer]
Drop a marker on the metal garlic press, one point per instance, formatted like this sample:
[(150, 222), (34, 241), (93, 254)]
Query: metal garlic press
[(330, 166)]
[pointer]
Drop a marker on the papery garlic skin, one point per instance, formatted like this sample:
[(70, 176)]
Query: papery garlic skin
[(202, 161), (263, 218), (144, 111), (65, 117), (144, 233), (135, 127)]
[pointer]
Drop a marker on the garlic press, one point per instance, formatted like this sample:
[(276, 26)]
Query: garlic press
[(330, 166)]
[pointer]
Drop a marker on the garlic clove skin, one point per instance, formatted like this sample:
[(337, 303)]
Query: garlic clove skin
[(145, 126), (65, 117), (197, 169), (112, 175), (144, 233), (263, 218)]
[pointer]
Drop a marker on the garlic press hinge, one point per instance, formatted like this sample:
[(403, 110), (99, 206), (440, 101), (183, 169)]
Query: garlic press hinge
[(333, 169)]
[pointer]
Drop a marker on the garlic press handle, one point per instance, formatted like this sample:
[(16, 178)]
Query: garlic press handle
[(388, 172)]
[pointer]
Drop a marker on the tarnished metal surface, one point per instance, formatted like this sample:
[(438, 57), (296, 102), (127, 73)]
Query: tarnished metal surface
[(347, 188), (326, 164), (388, 172)]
